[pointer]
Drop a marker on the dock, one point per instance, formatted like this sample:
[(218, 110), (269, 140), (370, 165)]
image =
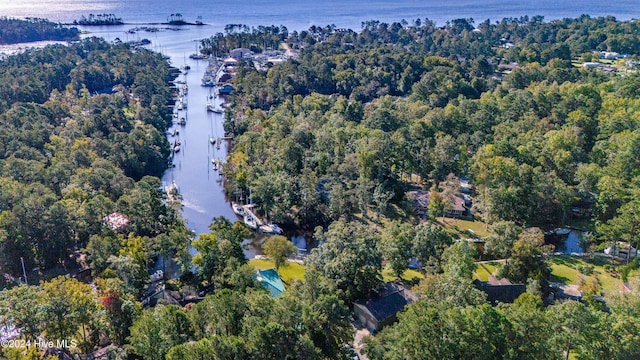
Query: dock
[(248, 210)]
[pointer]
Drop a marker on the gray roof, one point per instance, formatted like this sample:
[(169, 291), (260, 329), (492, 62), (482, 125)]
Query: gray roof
[(386, 301)]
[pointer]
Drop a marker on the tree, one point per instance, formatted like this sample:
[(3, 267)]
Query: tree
[(396, 245), (278, 248), (429, 244), (527, 260), (320, 314), (21, 307), (437, 205), (625, 225), (70, 306), (459, 259), (348, 256), (574, 326), (500, 242), (159, 329), (425, 331)]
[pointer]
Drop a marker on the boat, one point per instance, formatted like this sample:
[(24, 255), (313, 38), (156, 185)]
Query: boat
[(271, 229), (250, 221), (238, 209), (180, 106), (175, 132), (212, 140), (182, 121), (176, 148), (212, 108), (215, 166)]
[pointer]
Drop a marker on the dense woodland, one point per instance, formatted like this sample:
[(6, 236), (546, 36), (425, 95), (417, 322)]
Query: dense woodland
[(14, 31), (328, 144)]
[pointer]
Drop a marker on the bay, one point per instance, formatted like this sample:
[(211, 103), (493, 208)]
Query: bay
[(300, 14)]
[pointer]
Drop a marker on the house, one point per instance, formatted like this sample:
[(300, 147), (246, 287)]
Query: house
[(271, 280), (240, 53), (500, 291), (591, 65), (611, 55), (383, 306), (459, 208)]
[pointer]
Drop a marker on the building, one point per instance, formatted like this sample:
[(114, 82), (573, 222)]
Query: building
[(500, 291), (459, 208), (240, 53), (271, 280), (382, 307)]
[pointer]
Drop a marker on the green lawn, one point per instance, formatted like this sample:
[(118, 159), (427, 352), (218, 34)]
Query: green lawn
[(564, 269), (465, 228), (289, 273), (409, 274), (484, 270)]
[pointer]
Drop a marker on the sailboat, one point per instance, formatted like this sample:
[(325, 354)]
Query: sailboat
[(211, 107)]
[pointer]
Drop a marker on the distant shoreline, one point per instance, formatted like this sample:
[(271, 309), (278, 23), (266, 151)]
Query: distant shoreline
[(143, 23)]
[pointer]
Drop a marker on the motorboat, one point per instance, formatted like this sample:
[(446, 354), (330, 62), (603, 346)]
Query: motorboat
[(182, 121), (212, 140), (250, 221), (271, 229), (238, 209), (213, 109)]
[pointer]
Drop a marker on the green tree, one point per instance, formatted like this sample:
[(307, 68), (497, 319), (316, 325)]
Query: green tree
[(500, 241), (396, 245), (278, 248), (429, 244), (348, 256), (159, 329)]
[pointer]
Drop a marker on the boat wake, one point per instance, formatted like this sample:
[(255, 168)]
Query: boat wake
[(193, 206)]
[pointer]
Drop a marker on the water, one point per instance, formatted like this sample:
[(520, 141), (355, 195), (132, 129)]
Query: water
[(300, 14), (572, 243), (198, 183)]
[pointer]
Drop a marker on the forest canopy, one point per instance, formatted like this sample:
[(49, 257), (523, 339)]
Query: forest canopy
[(14, 31)]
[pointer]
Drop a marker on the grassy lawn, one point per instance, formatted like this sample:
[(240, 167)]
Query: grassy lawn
[(465, 228), (484, 270), (409, 274), (289, 273), (564, 269)]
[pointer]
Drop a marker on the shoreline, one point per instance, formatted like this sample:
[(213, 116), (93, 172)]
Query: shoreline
[(142, 23)]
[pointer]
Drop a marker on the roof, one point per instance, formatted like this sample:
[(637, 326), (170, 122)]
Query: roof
[(458, 204), (386, 302), (116, 220), (500, 291), (271, 280)]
